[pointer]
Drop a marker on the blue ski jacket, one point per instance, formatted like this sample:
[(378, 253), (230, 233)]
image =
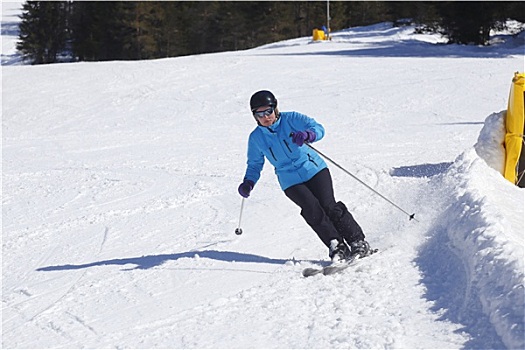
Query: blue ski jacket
[(293, 164)]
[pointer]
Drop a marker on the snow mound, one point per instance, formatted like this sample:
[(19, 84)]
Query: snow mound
[(483, 229), (490, 141)]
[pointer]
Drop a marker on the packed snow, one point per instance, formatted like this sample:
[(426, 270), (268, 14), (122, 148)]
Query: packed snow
[(120, 199)]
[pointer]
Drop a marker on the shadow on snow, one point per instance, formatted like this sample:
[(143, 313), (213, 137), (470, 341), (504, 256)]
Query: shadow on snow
[(421, 170), (150, 261), (414, 48), (454, 297)]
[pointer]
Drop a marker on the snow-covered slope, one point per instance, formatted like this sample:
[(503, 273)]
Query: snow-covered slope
[(120, 200)]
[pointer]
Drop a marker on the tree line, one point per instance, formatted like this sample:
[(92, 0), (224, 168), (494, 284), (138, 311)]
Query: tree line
[(54, 31)]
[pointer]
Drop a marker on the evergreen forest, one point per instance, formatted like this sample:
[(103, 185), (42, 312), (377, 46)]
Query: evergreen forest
[(58, 31)]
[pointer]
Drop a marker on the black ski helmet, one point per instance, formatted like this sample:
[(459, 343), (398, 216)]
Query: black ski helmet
[(262, 98)]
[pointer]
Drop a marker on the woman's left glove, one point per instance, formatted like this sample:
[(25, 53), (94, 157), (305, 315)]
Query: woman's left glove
[(300, 137), (245, 188)]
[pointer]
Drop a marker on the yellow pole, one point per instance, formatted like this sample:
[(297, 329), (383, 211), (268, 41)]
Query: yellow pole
[(514, 125)]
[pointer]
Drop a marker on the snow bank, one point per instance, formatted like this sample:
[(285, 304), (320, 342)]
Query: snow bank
[(490, 141), (484, 227)]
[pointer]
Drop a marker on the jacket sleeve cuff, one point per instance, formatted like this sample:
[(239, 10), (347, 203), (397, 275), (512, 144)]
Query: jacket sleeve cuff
[(311, 135), (250, 182)]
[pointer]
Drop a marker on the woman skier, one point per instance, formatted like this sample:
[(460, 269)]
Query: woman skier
[(303, 175)]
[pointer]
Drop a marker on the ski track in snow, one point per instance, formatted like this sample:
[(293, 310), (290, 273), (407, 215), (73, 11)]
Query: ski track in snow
[(120, 203)]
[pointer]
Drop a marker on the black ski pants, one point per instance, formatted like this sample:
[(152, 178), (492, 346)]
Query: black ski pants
[(328, 218)]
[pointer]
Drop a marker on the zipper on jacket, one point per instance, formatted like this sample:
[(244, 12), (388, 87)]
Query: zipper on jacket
[(311, 159), (287, 146), (273, 155)]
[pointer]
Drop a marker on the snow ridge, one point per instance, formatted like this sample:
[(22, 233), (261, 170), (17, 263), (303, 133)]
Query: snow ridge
[(480, 233), (481, 227)]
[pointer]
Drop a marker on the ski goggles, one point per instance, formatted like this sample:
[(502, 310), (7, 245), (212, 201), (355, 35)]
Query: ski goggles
[(262, 114)]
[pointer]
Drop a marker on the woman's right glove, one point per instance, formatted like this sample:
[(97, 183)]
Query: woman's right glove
[(245, 188), (300, 137)]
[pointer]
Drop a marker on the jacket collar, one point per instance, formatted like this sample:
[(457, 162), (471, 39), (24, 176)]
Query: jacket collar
[(272, 129)]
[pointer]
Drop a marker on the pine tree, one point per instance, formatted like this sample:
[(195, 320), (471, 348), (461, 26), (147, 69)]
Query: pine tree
[(471, 22), (43, 31)]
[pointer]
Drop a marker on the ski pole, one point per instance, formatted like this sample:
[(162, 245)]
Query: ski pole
[(410, 216), (238, 230)]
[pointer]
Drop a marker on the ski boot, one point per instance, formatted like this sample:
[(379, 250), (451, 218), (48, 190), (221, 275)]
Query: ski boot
[(339, 252), (360, 248)]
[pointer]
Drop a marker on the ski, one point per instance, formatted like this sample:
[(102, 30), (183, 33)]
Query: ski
[(335, 268)]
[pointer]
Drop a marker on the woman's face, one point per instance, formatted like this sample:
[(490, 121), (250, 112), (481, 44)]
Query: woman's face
[(265, 115)]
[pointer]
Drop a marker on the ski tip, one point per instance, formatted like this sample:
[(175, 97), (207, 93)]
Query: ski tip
[(310, 271)]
